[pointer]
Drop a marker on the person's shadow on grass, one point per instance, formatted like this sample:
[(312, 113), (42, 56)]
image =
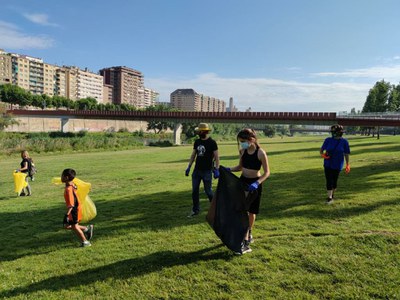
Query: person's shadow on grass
[(122, 269)]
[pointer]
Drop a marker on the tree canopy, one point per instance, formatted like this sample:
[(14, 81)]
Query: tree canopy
[(383, 97)]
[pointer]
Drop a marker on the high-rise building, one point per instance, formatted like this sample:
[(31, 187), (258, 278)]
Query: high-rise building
[(186, 100), (74, 83), (88, 84), (190, 100), (149, 97), (38, 77), (49, 79), (5, 68), (127, 83), (107, 93), (32, 74), (232, 107)]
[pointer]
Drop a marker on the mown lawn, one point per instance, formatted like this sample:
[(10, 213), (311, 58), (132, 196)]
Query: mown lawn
[(146, 248)]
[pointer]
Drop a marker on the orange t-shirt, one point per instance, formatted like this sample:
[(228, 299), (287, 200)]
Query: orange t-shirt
[(72, 200)]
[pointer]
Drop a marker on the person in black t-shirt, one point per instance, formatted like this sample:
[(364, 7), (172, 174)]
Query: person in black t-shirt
[(205, 152)]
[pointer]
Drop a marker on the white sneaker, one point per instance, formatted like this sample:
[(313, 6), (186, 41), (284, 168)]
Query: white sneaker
[(86, 244)]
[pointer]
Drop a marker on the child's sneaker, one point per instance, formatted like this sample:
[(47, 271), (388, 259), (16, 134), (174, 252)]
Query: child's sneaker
[(89, 232), (86, 244)]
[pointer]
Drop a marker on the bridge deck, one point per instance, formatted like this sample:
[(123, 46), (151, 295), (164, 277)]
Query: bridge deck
[(323, 118)]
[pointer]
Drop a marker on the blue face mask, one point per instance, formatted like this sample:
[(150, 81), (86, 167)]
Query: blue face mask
[(244, 145)]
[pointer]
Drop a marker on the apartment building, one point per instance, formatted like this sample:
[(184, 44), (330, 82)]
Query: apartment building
[(49, 79), (190, 100), (186, 100), (127, 83), (119, 85), (74, 83), (89, 85), (5, 68), (108, 91), (38, 77), (32, 74), (148, 97)]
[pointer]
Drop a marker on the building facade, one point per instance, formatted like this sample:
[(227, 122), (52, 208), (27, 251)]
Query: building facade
[(190, 100), (5, 68), (150, 97), (127, 83), (38, 77), (116, 85)]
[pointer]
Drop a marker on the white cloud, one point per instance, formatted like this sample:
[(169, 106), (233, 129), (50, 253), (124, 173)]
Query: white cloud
[(11, 37), (389, 73), (41, 19), (263, 94)]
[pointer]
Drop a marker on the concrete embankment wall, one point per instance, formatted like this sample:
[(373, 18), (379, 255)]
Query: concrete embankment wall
[(34, 124)]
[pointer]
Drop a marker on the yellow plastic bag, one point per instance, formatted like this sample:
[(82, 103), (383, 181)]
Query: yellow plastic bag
[(89, 210), (19, 182)]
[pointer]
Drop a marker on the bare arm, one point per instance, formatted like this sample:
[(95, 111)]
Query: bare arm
[(262, 156), (192, 157), (216, 158)]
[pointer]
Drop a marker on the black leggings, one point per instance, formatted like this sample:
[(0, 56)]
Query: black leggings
[(331, 176)]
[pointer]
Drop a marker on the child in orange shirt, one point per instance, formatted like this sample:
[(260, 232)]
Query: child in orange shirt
[(74, 211)]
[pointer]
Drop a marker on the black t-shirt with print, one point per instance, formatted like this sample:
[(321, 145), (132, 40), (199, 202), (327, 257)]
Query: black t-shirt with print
[(205, 153)]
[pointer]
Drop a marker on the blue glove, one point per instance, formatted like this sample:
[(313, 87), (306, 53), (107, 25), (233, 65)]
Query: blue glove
[(253, 186), (187, 171), (216, 173), (226, 169)]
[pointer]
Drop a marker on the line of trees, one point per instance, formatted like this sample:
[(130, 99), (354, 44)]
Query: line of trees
[(13, 94), (16, 95), (383, 97)]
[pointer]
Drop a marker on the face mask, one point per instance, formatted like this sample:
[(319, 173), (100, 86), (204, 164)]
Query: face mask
[(202, 135), (335, 134), (244, 145)]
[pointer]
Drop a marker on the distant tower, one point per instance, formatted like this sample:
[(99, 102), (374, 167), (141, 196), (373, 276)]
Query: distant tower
[(231, 104)]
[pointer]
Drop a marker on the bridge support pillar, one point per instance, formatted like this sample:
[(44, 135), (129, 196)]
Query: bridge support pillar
[(64, 124), (177, 133)]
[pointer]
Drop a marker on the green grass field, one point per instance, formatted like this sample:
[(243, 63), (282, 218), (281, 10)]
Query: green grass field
[(146, 248)]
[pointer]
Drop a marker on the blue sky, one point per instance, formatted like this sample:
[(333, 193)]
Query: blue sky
[(286, 55)]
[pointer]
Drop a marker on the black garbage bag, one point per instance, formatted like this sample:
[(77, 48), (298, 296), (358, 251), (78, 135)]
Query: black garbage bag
[(228, 211)]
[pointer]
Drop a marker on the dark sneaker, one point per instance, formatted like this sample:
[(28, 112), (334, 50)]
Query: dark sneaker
[(89, 232), (22, 194), (86, 244), (193, 214), (245, 249), (329, 200)]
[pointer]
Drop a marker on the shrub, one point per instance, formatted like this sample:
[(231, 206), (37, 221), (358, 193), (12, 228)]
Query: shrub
[(161, 143)]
